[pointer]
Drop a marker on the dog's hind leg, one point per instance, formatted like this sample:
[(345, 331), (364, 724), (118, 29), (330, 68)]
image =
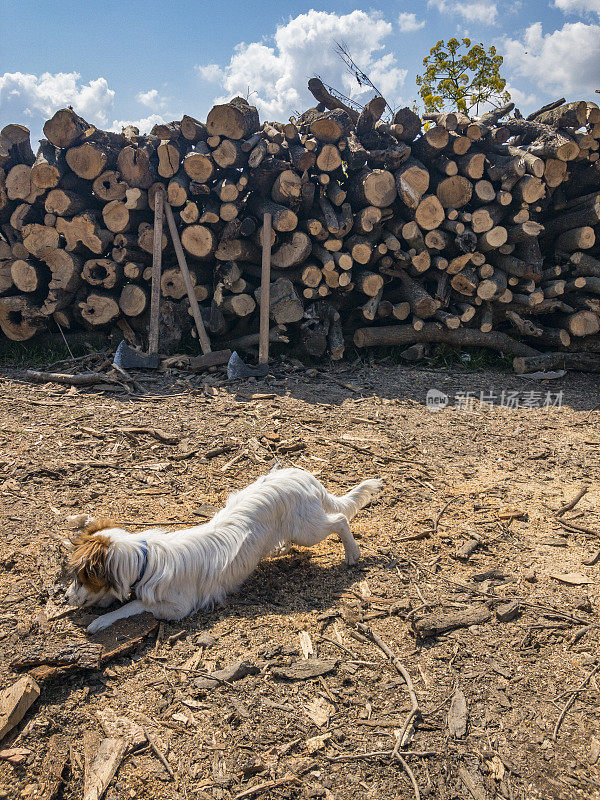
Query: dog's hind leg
[(323, 525), (338, 524)]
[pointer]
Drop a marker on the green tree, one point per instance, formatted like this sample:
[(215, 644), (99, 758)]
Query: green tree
[(460, 77)]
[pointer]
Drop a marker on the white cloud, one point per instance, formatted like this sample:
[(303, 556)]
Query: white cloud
[(566, 61), (210, 72), (145, 124), (484, 12), (408, 22), (276, 71), (578, 6), (32, 99), (152, 99), (520, 98), (36, 97)]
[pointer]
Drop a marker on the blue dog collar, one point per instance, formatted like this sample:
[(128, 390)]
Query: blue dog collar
[(144, 545)]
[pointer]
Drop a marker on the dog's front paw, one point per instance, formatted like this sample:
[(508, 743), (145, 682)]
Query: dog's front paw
[(97, 625), (352, 557)]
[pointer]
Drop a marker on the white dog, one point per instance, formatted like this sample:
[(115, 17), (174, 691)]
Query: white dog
[(172, 575)]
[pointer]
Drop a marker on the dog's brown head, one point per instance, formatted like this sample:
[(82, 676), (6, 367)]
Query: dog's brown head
[(93, 583)]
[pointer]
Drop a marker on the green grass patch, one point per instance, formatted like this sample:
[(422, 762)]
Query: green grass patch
[(32, 354)]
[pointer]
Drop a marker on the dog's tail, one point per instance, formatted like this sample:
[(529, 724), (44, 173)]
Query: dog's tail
[(358, 497)]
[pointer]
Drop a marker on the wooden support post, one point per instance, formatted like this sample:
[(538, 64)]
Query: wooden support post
[(156, 271), (265, 291), (202, 335)]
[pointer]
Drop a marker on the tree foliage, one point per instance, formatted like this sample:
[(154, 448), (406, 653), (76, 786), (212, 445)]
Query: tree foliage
[(462, 77)]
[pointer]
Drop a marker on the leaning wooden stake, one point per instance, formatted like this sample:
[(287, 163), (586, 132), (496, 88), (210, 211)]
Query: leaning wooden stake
[(265, 291), (202, 335), (156, 270)]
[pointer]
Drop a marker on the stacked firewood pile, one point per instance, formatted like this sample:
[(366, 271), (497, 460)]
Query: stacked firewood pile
[(473, 232)]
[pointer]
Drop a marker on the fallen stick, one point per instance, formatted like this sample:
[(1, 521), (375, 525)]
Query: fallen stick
[(252, 339), (84, 379), (415, 712), (162, 436), (410, 774), (572, 503), (378, 753), (436, 522), (462, 337), (158, 753), (571, 700), (573, 526), (260, 787), (434, 624)]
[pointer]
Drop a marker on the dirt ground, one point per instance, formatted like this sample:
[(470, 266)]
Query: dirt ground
[(493, 475)]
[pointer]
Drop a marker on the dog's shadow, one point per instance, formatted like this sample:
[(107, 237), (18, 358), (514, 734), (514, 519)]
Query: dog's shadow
[(290, 584)]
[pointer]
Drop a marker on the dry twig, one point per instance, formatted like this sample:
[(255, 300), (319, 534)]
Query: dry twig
[(571, 700)]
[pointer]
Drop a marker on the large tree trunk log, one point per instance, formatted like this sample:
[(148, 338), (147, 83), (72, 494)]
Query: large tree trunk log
[(234, 120), (85, 229), (99, 309), (373, 188), (199, 241), (20, 319), (133, 300), (49, 166), (65, 128)]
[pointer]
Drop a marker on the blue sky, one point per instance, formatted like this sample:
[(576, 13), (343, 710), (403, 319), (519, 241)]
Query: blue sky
[(142, 62)]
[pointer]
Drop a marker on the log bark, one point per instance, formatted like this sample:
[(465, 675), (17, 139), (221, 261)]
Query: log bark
[(463, 337)]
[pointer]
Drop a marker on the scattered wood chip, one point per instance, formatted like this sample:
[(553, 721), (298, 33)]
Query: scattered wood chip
[(116, 727), (507, 611), (365, 590), (319, 711), (572, 578), (15, 755), (554, 541), (594, 750), (458, 715), (471, 784), (434, 624), (308, 668), (509, 514), (15, 702), (104, 767), (234, 672), (316, 743), (496, 767), (466, 550), (306, 645)]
